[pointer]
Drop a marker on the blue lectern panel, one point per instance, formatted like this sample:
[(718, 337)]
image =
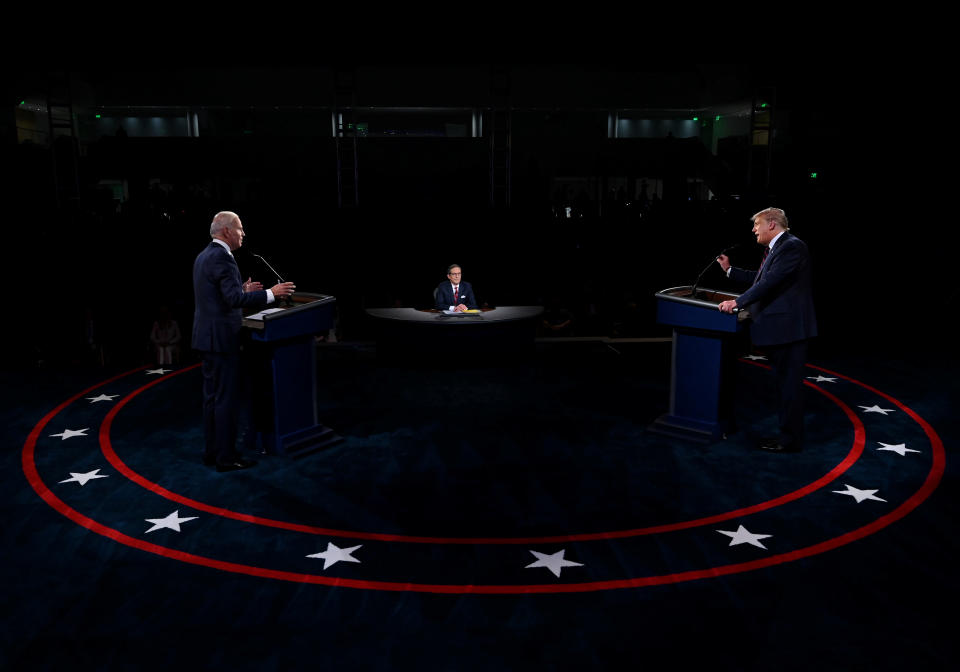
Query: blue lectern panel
[(696, 368), (700, 337), (678, 314)]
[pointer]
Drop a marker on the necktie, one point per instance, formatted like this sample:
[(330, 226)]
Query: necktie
[(456, 294), (766, 251)]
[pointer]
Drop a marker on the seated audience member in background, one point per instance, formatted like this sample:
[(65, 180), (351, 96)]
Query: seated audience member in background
[(165, 336)]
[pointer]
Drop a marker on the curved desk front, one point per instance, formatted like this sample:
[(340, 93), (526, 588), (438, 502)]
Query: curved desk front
[(406, 333)]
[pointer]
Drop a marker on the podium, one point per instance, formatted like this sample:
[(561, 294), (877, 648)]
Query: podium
[(285, 354), (701, 407)]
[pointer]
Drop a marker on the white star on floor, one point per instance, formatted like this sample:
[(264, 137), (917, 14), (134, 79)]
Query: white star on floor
[(754, 357), (900, 448), (742, 536), (821, 379), (103, 397), (83, 478), (335, 554), (876, 409), (553, 562), (171, 522), (70, 433), (159, 371), (859, 494)]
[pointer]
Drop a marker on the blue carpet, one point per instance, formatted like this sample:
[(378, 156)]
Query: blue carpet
[(439, 474)]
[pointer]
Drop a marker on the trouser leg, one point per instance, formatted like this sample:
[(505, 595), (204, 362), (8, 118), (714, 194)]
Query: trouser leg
[(220, 381), (788, 361), (208, 368)]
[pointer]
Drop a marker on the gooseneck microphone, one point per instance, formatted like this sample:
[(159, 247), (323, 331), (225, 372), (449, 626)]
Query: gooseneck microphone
[(267, 264), (693, 291), (286, 299)]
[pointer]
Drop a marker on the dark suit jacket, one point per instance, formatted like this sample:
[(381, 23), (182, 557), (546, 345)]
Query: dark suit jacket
[(219, 297), (781, 300), (445, 296)]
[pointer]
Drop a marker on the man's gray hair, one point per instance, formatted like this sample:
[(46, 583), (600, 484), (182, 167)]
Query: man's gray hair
[(222, 220), (775, 215)]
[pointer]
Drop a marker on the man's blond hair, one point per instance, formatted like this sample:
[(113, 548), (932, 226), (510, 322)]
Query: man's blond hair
[(773, 215)]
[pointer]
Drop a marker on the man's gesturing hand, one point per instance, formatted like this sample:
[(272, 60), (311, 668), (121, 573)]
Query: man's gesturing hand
[(283, 289)]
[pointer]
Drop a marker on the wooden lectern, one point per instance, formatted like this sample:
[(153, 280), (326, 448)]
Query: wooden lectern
[(285, 350), (700, 407)]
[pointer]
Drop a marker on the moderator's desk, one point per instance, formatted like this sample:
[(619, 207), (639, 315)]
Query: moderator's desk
[(405, 333)]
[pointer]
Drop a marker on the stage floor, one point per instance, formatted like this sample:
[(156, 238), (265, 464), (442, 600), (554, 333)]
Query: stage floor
[(512, 516)]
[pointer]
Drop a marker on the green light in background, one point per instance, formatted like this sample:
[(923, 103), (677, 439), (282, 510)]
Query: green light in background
[(696, 118), (813, 176), (98, 116), (763, 105), (23, 102), (717, 118)]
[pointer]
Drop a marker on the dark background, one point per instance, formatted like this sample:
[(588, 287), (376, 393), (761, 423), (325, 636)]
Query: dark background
[(264, 147), (876, 218)]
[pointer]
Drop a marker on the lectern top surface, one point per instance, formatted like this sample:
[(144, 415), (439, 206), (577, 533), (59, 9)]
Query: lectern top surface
[(708, 298), (299, 302)]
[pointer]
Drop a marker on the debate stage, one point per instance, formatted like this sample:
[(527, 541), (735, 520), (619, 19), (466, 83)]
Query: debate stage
[(484, 518)]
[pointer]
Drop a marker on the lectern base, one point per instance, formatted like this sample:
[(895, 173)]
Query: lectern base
[(298, 443), (690, 430)]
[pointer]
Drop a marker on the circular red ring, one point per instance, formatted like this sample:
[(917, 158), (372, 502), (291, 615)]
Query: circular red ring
[(930, 483)]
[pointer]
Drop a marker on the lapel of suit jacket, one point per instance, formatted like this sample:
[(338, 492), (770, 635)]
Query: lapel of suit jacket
[(232, 259), (774, 252)]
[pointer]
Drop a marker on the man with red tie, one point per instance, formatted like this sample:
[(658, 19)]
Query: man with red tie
[(780, 301), (220, 296), (455, 295)]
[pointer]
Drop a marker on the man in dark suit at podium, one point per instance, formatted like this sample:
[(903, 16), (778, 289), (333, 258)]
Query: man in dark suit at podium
[(780, 301), (220, 297), (455, 295)]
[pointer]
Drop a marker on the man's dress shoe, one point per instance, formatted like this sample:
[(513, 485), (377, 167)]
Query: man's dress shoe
[(774, 446), (235, 464)]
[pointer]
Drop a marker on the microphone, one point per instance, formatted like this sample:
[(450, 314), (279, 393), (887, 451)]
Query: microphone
[(267, 264), (286, 299), (693, 291)]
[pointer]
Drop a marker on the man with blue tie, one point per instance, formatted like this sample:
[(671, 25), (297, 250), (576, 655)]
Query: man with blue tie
[(220, 297), (780, 301), (455, 295)]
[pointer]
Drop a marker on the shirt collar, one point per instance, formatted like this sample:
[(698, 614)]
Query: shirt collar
[(223, 245), (774, 241)]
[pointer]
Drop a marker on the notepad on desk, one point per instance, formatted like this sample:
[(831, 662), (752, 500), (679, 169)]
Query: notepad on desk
[(262, 313)]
